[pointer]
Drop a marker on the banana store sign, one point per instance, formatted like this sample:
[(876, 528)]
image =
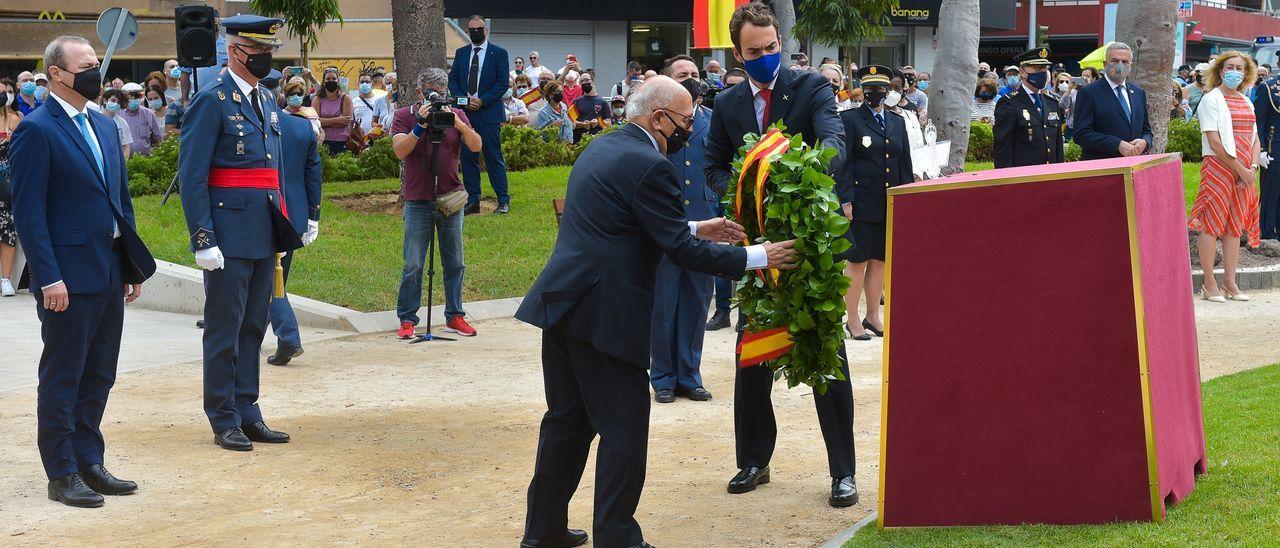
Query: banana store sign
[(915, 13)]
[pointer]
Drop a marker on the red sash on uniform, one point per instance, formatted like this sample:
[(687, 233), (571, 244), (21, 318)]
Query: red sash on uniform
[(257, 177)]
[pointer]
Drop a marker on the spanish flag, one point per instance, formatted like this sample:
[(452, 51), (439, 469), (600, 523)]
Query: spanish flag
[(762, 346), (604, 122), (532, 96), (843, 95), (573, 112), (711, 22)]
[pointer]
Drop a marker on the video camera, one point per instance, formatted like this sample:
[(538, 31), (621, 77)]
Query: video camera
[(439, 116)]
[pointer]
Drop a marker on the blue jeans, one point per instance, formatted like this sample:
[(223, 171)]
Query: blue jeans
[(420, 219)]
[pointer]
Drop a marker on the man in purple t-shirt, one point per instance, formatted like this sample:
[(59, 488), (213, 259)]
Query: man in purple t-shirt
[(427, 208)]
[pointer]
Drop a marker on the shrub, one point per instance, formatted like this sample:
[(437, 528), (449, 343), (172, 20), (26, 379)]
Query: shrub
[(586, 140), (981, 142), (341, 167), (526, 148), (152, 174), (379, 161), (1071, 152), (1184, 137)]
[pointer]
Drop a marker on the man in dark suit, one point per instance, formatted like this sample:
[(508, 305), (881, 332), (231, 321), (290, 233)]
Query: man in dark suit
[(1110, 115), (75, 220), (1266, 110), (622, 214), (479, 73), (300, 173), (1028, 123), (805, 103)]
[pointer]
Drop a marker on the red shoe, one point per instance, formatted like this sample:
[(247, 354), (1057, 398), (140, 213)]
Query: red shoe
[(460, 326), (406, 330)]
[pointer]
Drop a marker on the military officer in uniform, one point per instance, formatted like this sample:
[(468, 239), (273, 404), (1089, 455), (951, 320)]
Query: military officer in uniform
[(1028, 123), (236, 211), (877, 156), (1266, 109)]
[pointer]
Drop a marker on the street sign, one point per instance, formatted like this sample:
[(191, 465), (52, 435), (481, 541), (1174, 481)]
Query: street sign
[(1184, 10), (118, 29)]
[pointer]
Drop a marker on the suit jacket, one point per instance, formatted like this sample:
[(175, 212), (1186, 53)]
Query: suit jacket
[(802, 100), (494, 81), (875, 160), (1266, 111), (622, 214), (1025, 136), (221, 130), (302, 177), (64, 210), (700, 201), (1100, 123)]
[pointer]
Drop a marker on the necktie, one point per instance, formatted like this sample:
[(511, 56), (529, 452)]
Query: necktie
[(82, 123), (767, 95), (879, 118), (257, 107), (1039, 103), (1124, 103), (473, 77)]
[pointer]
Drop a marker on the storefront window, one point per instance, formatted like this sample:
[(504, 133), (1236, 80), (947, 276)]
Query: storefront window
[(651, 43)]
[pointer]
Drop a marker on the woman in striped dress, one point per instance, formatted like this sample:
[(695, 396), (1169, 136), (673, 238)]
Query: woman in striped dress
[(1227, 205)]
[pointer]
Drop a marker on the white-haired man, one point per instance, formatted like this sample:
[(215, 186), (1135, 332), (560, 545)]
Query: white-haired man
[(622, 214)]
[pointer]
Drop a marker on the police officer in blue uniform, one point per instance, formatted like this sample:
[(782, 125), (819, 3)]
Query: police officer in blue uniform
[(229, 168), (301, 175), (1266, 109), (1028, 124)]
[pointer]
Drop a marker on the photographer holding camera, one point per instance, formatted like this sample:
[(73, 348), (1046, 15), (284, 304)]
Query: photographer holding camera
[(428, 136)]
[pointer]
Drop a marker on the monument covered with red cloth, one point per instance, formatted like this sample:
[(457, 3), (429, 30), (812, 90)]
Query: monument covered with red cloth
[(1040, 354)]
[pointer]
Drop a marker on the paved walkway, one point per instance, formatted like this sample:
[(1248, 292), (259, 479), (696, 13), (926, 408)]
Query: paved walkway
[(150, 339)]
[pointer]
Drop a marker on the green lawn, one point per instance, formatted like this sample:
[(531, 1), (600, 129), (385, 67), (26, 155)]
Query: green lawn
[(356, 261), (1236, 503)]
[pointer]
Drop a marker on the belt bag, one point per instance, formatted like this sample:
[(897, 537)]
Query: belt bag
[(452, 202)]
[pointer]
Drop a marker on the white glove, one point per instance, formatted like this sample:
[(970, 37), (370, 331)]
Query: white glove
[(1264, 159), (313, 232), (210, 259)]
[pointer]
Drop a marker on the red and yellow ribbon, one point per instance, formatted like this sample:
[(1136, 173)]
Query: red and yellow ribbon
[(762, 346), (760, 157)]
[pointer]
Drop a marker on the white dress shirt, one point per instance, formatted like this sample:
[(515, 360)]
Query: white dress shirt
[(758, 102), (1124, 92), (247, 89), (757, 257)]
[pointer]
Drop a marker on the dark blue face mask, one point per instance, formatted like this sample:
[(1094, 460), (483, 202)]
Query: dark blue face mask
[(1038, 80), (763, 69)]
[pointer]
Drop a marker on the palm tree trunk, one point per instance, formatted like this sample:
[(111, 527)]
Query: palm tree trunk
[(305, 53), (1148, 27), (785, 11), (951, 92), (417, 31)]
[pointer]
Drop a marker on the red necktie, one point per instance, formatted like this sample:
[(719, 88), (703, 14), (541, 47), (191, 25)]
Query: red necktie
[(767, 95)]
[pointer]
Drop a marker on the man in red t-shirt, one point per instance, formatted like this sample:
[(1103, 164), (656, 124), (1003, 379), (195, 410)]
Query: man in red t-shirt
[(428, 206)]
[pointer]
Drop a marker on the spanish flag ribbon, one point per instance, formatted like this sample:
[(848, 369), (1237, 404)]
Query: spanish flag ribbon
[(573, 112), (604, 122), (758, 347), (532, 96), (843, 95), (759, 157), (711, 22)]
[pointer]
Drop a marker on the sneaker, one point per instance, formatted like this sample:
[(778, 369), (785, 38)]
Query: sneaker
[(6, 288), (406, 330), (460, 326), (503, 209)]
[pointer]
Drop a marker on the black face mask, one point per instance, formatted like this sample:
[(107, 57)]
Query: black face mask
[(679, 136), (873, 97), (557, 97), (88, 83), (694, 86), (258, 64), (835, 88), (331, 86), (587, 87), (477, 35)]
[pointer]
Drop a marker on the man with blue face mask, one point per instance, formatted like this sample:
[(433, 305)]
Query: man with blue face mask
[(363, 99), (805, 103), (27, 100), (1110, 115), (1028, 123)]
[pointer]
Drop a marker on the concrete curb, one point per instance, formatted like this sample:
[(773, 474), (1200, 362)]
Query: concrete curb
[(844, 536), (178, 288), (1249, 279)]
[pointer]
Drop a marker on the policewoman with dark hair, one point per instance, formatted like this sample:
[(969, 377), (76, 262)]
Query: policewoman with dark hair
[(877, 156)]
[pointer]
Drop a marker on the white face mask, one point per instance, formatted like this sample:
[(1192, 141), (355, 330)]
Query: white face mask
[(892, 99), (1063, 87), (856, 104)]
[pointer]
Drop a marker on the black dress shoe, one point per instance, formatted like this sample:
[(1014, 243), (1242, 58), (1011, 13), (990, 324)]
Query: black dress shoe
[(719, 320), (641, 545), (748, 478), (100, 480), (569, 539), (233, 439), (71, 491), (283, 355), (472, 209), (843, 492), (863, 337), (664, 395), (698, 394), (199, 324), (867, 325), (503, 209), (259, 432)]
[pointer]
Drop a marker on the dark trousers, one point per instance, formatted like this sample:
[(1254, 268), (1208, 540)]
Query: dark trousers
[(724, 294), (235, 320), (283, 321), (77, 370), (1269, 203), (589, 393), (756, 432), (680, 300), (493, 163)]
